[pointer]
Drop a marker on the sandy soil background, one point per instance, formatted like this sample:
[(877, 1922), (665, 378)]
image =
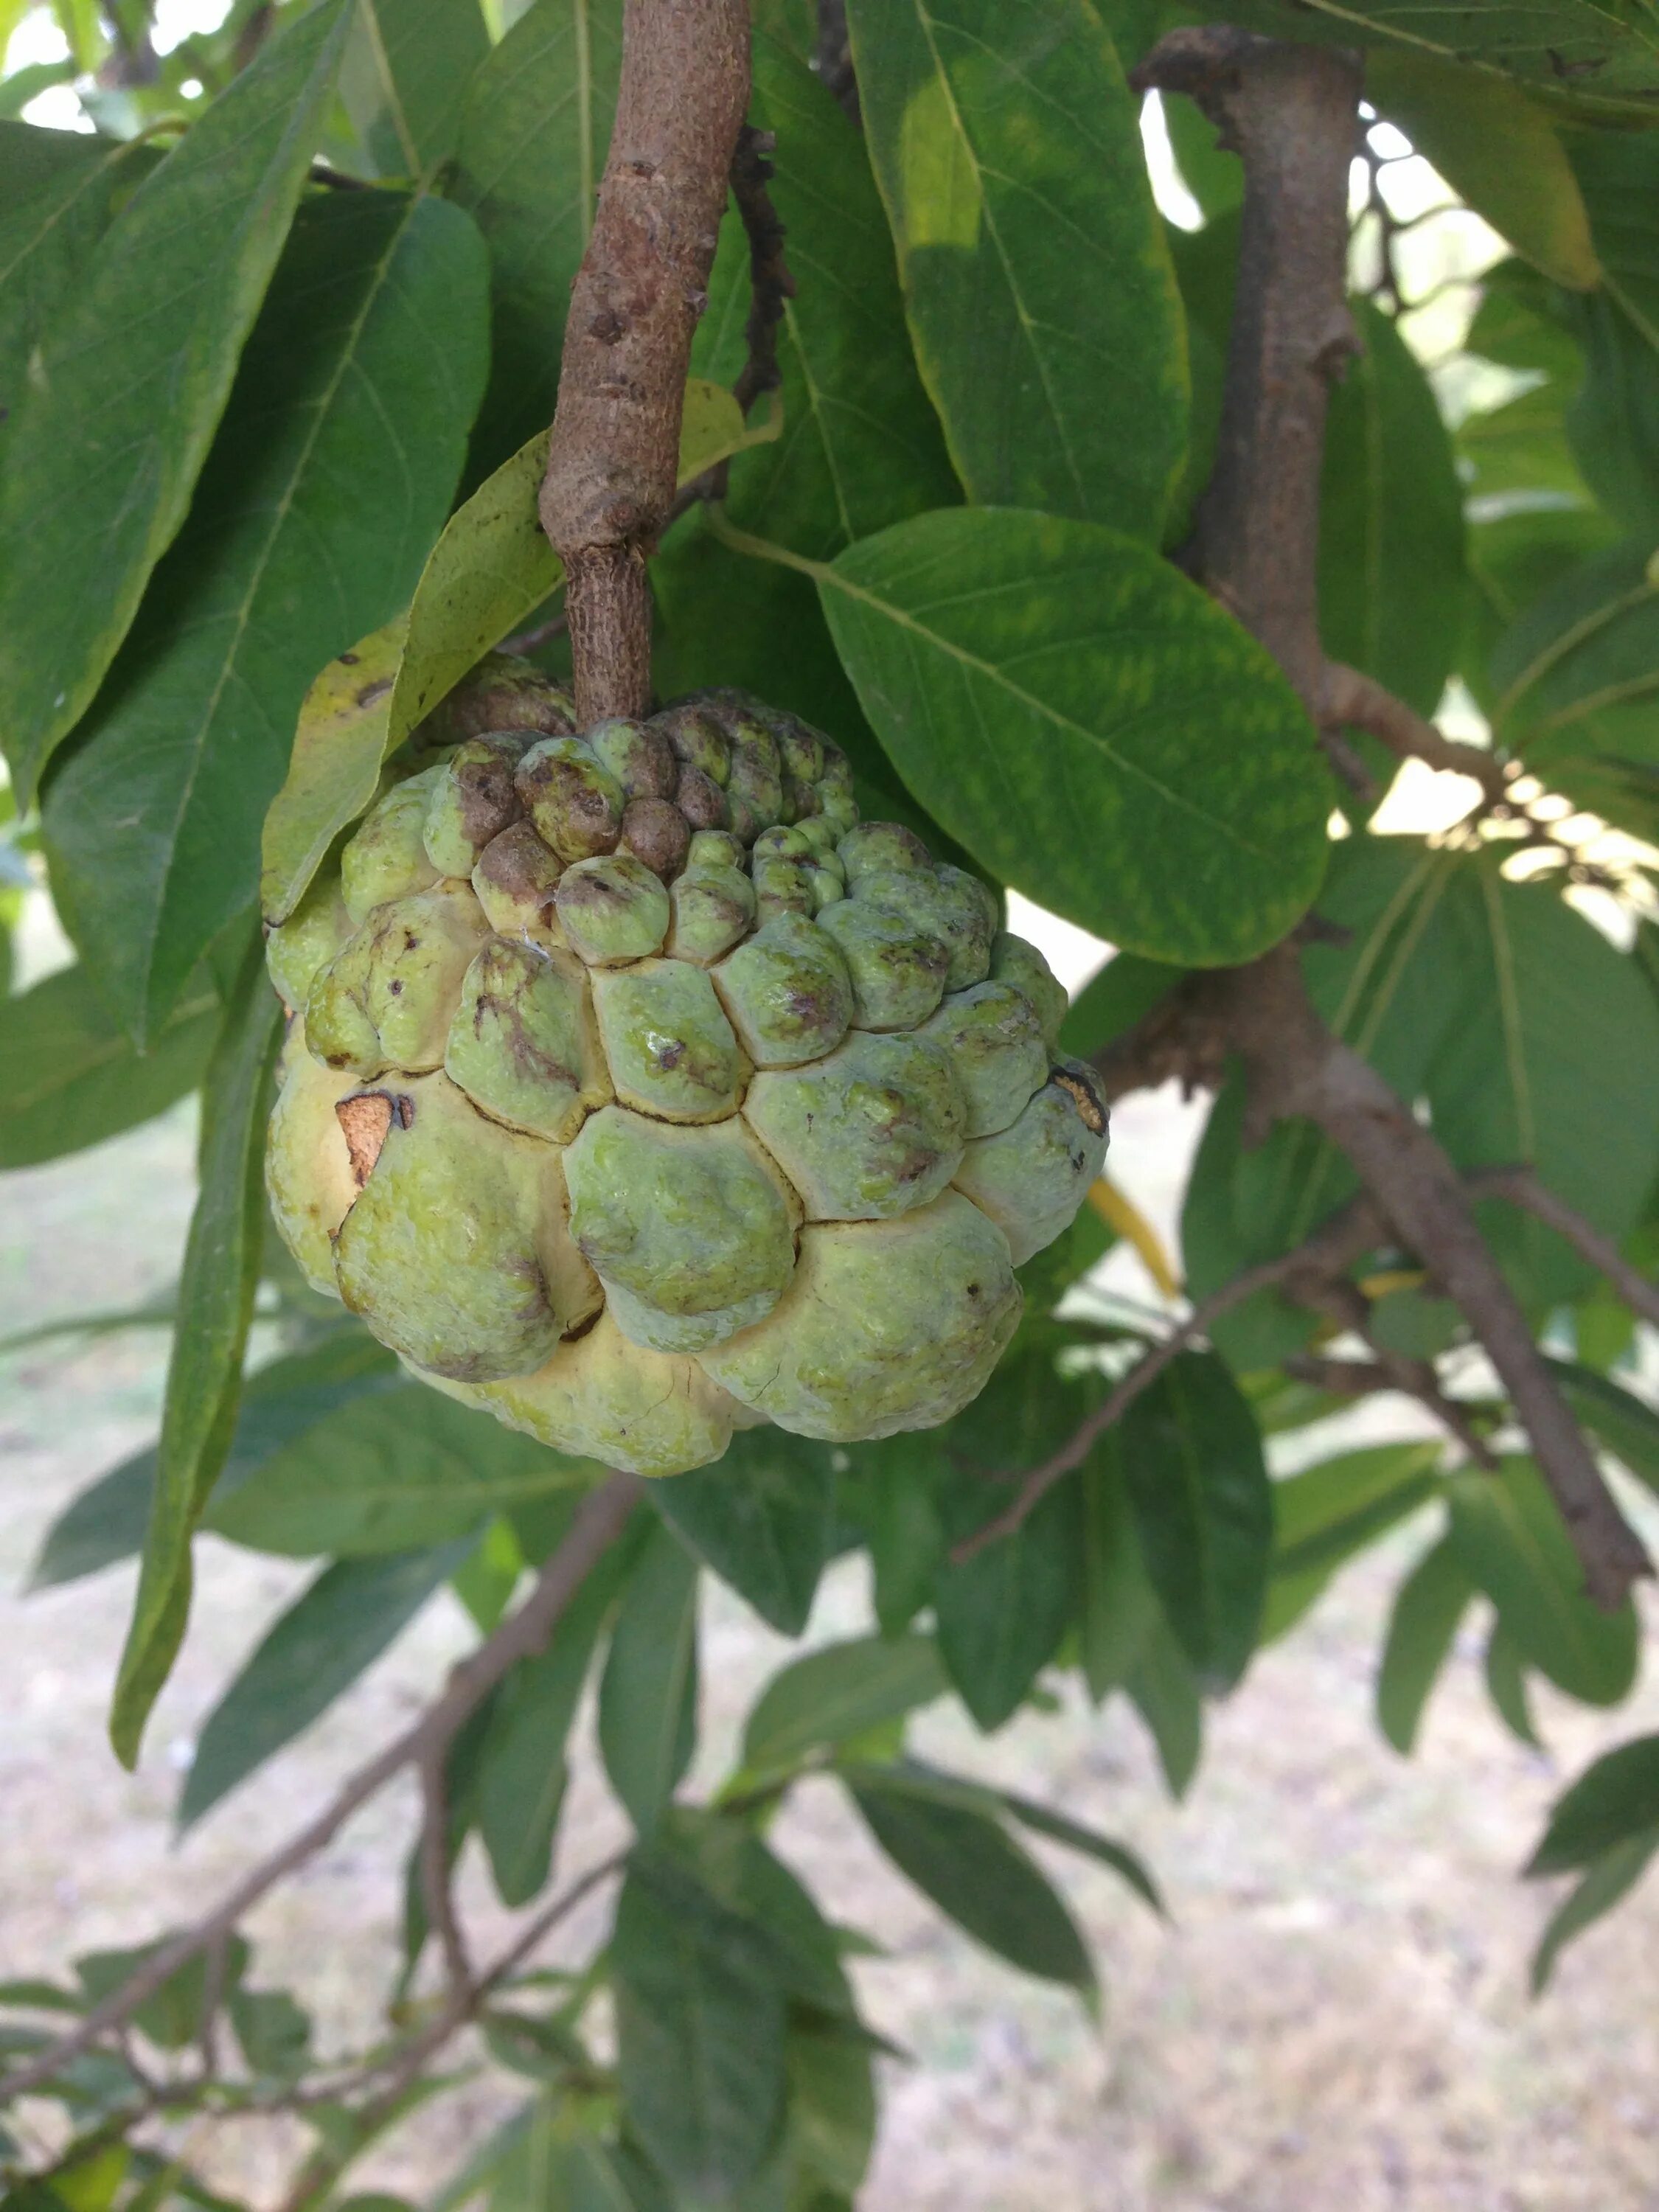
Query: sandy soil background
[(1336, 2018)]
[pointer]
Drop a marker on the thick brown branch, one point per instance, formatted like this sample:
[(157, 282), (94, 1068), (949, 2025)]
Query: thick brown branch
[(641, 286), (1350, 700), (600, 1520)]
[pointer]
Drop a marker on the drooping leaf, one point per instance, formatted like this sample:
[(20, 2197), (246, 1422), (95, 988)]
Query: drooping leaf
[(762, 1518), (315, 1650), (172, 2016), (700, 2032), (1608, 1879), (861, 446), (1427, 1608), (1001, 1614), (135, 377), (972, 1868), (395, 1471), (1008, 150), (534, 132), (1392, 577), (216, 1305), (648, 1691), (1118, 1609), (724, 1881), (1163, 1689), (1513, 1543), (1095, 731), (1612, 1801), (835, 1695), (522, 1771), (1325, 1515), (68, 1077), (1625, 1424), (1614, 420), (1506, 1686), (1203, 1509), (404, 76), (1044, 1820), (105, 1523), (332, 473), (1501, 152), (832, 2107)]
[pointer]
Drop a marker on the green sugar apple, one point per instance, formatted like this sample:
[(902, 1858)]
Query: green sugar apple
[(637, 1090)]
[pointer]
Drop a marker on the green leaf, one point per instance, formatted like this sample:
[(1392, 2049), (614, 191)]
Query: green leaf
[(105, 1523), (832, 2104), (522, 1771), (1326, 1514), (649, 1692), (1392, 577), (891, 1495), (1506, 1686), (61, 193), (273, 2030), (1512, 1539), (1120, 1610), (1626, 1425), (1611, 1878), (862, 446), (762, 1518), (1042, 1821), (722, 1880), (1500, 152), (1609, 59), (395, 1471), (216, 1305), (700, 2035), (1613, 421), (1001, 1614), (68, 1077), (1427, 1609), (1575, 677), (833, 1696), (331, 474), (1611, 1802), (134, 377), (1007, 146), (976, 1873), (534, 131), (491, 567), (1165, 1691), (405, 76), (1203, 1509), (1092, 728), (172, 2016), (331, 1633)]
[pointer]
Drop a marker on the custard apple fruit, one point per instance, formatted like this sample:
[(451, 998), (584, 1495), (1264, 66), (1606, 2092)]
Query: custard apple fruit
[(637, 1090)]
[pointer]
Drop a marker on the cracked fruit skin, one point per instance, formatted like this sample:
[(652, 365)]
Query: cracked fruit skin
[(637, 1091)]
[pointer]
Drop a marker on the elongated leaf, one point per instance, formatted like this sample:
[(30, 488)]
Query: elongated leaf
[(1610, 1879), (134, 379), (105, 1523), (1501, 153), (330, 475), (68, 1077), (1613, 421), (1392, 577), (970, 1867), (862, 446), (399, 1470), (700, 2032), (312, 1654), (1090, 726), (1427, 1609), (216, 1304), (1008, 149), (534, 132), (1044, 1820), (1608, 58), (1203, 1508), (521, 1772), (173, 2016), (1165, 1691), (1625, 1424), (1119, 1609), (1506, 1686), (405, 76), (833, 1696), (832, 2106), (722, 1880), (1326, 1514), (1001, 1614), (763, 1519), (649, 1692), (60, 192), (1612, 1802), (489, 568)]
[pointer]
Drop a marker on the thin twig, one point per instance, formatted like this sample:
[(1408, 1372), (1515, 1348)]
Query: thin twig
[(1522, 1187), (599, 1521), (437, 1890), (1350, 699)]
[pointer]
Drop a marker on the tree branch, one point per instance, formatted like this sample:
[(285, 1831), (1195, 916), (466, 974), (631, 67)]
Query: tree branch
[(437, 1891), (1522, 1187), (1349, 699), (769, 281), (599, 1521), (641, 286)]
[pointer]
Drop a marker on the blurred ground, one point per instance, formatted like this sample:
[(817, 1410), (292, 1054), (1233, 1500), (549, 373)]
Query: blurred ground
[(1337, 2017)]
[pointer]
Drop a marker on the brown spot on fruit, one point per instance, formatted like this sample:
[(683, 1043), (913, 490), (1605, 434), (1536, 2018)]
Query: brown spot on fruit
[(365, 1121)]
